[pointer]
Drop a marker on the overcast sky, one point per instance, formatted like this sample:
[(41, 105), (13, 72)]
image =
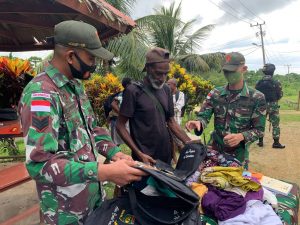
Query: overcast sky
[(233, 31)]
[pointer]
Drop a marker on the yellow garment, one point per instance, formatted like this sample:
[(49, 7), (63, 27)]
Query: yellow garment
[(200, 190), (223, 177), (218, 182)]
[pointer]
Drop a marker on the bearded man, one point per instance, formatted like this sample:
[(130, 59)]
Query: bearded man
[(148, 105)]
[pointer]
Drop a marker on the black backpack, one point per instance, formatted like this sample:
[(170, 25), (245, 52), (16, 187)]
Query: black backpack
[(107, 104), (270, 88), (136, 208)]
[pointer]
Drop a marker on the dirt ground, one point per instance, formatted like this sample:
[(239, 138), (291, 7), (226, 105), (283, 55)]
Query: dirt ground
[(280, 164)]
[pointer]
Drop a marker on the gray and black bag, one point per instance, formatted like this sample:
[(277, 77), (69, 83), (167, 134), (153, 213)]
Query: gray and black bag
[(136, 207)]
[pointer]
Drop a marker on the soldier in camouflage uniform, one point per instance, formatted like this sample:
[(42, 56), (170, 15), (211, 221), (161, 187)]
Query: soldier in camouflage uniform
[(239, 112), (273, 92), (61, 137)]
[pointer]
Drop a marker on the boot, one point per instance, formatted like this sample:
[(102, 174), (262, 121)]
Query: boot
[(260, 142), (277, 144)]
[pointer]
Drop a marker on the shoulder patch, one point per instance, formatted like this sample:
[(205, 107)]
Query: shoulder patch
[(209, 94), (40, 123), (40, 106), (40, 95)]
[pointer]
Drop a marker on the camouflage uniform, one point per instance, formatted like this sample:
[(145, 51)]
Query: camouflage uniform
[(234, 112), (272, 103), (62, 141), (273, 112)]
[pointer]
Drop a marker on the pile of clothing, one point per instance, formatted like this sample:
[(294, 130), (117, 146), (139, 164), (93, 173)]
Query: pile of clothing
[(230, 195)]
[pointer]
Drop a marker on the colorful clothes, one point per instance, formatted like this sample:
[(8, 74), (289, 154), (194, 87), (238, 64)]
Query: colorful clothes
[(62, 143), (288, 207)]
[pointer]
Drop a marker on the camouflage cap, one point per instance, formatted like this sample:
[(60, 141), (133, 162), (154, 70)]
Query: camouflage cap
[(233, 60), (80, 35)]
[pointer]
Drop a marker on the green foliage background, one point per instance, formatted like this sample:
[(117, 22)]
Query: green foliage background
[(290, 84)]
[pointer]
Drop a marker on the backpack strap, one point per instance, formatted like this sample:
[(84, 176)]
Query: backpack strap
[(152, 96)]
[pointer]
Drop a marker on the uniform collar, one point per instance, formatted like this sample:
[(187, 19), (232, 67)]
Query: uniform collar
[(58, 78), (244, 92)]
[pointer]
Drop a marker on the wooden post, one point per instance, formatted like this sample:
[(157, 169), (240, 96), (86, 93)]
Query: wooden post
[(298, 107)]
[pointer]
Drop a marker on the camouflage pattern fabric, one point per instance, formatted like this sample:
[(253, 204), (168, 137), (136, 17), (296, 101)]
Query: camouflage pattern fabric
[(62, 142), (273, 113), (243, 112), (288, 206)]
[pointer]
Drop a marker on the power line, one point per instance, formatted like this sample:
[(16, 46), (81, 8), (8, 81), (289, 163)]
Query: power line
[(262, 40), (277, 56), (228, 12), (233, 9), (252, 47), (267, 55), (290, 52), (229, 43), (288, 66), (250, 52), (269, 34), (243, 4)]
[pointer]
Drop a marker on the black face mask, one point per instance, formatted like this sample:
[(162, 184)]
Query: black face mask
[(83, 68)]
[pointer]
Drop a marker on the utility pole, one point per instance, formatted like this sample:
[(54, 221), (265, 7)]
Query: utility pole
[(261, 33), (288, 66)]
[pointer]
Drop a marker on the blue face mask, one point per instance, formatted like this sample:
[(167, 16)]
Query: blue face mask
[(83, 68), (233, 77)]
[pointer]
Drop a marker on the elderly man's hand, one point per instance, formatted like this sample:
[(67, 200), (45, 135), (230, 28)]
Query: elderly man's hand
[(121, 172), (193, 124), (121, 155), (147, 159)]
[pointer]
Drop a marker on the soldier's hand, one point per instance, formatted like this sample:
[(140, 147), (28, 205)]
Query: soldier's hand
[(121, 155), (232, 140), (147, 159), (193, 124), (121, 172)]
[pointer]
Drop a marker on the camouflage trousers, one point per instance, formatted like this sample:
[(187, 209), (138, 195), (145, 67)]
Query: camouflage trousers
[(274, 119)]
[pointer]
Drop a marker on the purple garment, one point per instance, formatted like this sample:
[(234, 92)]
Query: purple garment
[(254, 195), (221, 204)]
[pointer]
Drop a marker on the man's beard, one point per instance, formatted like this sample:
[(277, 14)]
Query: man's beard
[(154, 83)]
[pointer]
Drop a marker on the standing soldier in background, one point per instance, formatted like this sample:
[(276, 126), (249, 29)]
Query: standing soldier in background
[(273, 92), (239, 112)]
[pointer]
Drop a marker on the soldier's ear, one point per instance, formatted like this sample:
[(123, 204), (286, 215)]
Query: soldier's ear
[(70, 56), (245, 68)]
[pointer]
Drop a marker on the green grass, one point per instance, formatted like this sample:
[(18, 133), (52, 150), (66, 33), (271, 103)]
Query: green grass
[(284, 105), (287, 118), (207, 130)]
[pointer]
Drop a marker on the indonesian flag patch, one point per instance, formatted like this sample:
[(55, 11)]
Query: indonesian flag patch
[(40, 106), (209, 95)]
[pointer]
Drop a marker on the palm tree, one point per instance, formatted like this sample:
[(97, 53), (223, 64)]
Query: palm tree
[(164, 29), (125, 6)]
